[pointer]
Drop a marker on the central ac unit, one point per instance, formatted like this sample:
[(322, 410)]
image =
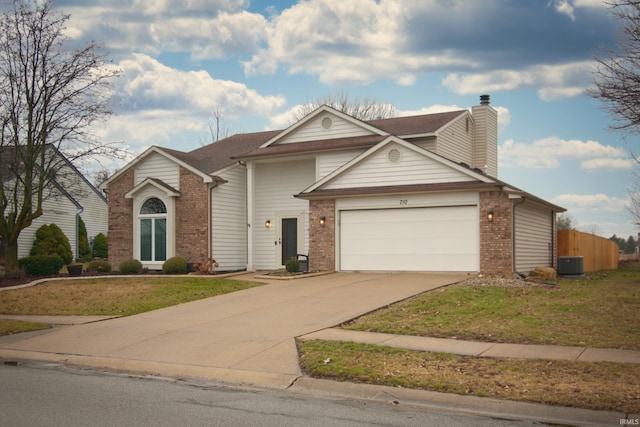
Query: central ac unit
[(571, 266)]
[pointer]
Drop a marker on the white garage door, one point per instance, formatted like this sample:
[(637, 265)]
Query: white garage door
[(414, 239)]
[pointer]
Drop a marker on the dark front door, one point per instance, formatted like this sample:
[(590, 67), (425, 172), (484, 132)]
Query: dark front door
[(289, 238)]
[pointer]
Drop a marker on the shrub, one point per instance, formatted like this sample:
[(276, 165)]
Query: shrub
[(50, 240), (100, 246), (293, 265), (175, 265), (84, 249), (99, 266), (132, 266), (41, 265)]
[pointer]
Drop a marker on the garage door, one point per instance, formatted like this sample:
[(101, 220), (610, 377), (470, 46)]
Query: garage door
[(418, 239)]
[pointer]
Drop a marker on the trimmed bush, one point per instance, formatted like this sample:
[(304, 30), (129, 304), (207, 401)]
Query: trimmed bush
[(99, 266), (100, 246), (293, 265), (84, 249), (41, 265), (50, 240), (175, 265), (131, 266)]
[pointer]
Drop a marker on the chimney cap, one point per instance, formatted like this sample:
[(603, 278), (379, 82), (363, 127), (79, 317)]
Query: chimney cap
[(484, 99)]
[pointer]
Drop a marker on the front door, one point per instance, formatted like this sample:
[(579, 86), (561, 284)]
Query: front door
[(289, 239)]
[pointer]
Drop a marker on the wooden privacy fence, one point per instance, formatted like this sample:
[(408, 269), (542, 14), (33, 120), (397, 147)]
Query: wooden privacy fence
[(599, 253)]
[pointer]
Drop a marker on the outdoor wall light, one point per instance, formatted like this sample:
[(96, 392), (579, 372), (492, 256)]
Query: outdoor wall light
[(490, 216), (323, 221), (267, 223)]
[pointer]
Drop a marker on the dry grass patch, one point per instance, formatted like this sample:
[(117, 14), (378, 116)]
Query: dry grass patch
[(601, 386), (114, 295), (601, 310), (10, 326)]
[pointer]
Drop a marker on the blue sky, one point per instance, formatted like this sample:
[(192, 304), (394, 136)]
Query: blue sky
[(256, 62)]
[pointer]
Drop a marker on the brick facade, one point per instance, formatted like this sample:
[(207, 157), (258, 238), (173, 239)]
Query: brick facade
[(496, 237), (120, 220), (192, 217), (322, 245)]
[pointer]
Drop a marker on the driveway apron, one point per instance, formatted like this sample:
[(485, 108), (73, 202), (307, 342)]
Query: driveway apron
[(251, 330)]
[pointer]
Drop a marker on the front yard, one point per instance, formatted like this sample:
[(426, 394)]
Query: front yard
[(600, 310), (121, 296)]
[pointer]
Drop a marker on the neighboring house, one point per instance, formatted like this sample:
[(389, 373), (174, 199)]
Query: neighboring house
[(414, 193), (69, 197)]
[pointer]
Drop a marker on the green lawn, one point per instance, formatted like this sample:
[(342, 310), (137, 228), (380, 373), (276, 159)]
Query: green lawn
[(600, 310)]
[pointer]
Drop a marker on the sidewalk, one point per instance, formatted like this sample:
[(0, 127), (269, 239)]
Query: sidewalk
[(408, 342), (479, 349)]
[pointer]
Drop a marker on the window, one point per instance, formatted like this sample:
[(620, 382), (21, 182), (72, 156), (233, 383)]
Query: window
[(153, 230)]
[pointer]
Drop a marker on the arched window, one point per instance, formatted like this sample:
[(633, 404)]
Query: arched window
[(153, 230)]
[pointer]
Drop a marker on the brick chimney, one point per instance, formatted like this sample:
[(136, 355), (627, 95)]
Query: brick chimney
[(485, 137)]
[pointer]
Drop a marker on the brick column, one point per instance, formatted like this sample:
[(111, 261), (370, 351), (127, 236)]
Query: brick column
[(322, 245), (192, 218), (120, 220), (496, 237)]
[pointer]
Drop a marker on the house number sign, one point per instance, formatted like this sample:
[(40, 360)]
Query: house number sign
[(404, 202)]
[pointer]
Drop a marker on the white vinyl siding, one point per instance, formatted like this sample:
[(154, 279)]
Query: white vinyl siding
[(314, 130), (327, 163), (534, 237), (159, 167), (485, 139), (274, 188), (229, 220), (428, 143), (58, 210), (455, 142), (412, 168), (410, 239)]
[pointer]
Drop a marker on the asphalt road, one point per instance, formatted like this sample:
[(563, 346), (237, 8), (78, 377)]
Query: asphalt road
[(51, 395)]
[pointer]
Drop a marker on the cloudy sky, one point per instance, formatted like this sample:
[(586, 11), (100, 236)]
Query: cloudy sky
[(256, 61)]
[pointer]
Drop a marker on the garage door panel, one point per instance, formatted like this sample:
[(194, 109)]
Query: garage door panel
[(414, 239)]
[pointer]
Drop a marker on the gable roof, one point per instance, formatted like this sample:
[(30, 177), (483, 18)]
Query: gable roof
[(317, 112), (213, 157), (416, 125)]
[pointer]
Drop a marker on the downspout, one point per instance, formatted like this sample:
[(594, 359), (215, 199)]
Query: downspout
[(78, 212), (513, 232)]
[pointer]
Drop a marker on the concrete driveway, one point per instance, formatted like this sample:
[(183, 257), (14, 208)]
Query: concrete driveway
[(246, 336)]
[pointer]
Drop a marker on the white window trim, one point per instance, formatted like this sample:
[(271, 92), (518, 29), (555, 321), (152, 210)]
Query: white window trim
[(169, 202)]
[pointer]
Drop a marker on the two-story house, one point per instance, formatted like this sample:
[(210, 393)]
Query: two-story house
[(416, 193)]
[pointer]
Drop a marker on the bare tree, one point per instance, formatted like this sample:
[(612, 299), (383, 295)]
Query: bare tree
[(617, 76), (50, 95), (217, 128), (617, 83), (363, 109), (634, 197)]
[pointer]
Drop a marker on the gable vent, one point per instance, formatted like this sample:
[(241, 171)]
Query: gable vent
[(327, 123), (394, 156)]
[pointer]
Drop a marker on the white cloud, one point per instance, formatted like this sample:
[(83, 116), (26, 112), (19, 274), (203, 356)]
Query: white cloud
[(553, 81), (624, 164), (164, 105), (591, 202), (547, 153), (204, 28), (354, 42), (568, 7)]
